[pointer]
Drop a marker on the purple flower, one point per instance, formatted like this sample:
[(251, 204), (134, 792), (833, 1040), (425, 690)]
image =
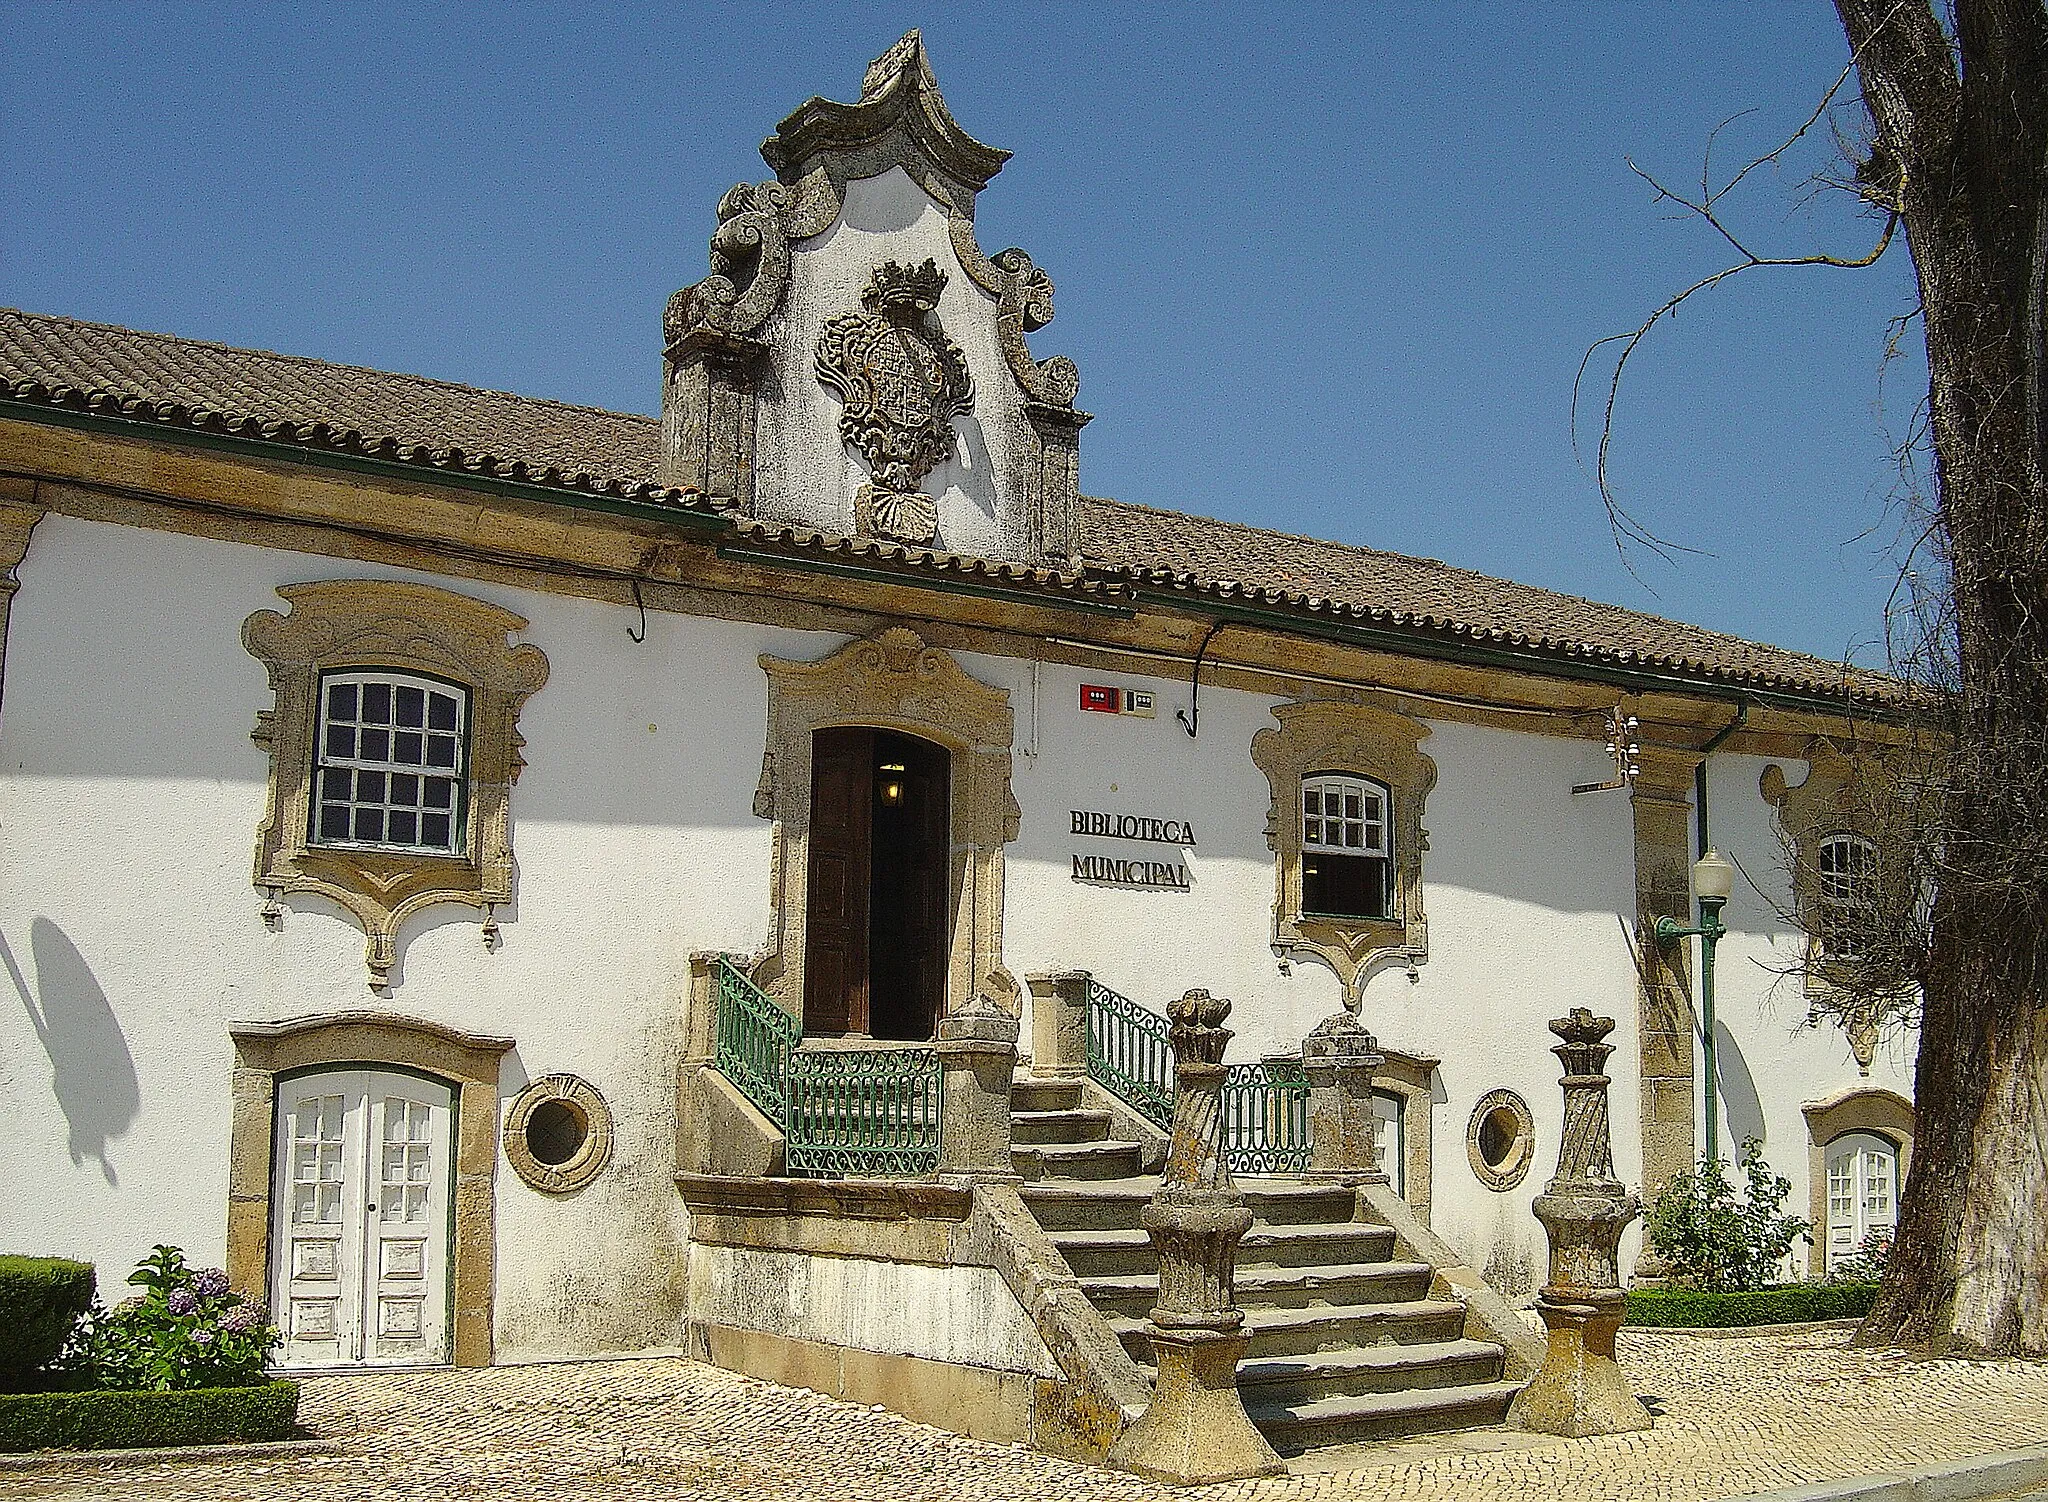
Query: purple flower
[(209, 1282), (202, 1336), (181, 1301), (243, 1318)]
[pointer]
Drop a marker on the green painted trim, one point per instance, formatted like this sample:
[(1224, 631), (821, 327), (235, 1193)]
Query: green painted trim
[(362, 464), (1521, 660), (871, 574)]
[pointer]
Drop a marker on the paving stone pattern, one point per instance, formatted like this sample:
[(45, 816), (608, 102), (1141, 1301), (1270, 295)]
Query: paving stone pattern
[(1734, 1417)]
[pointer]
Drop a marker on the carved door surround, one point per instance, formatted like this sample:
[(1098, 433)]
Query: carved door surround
[(1337, 735), (893, 680), (467, 1062)]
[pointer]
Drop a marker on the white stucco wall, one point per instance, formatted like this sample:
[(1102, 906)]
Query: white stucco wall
[(805, 473), (130, 794)]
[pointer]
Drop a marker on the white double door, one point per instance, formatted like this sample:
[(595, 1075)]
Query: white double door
[(360, 1212), (1863, 1179)]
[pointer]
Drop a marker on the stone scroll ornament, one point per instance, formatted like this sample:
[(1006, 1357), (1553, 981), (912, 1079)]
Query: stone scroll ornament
[(1196, 1430), (1580, 1390), (902, 382)]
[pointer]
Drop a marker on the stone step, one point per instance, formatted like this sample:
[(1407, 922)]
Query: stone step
[(1295, 1427), (1059, 1126), (1107, 1204), (1102, 1252), (1028, 1094), (1093, 1161), (1297, 1332), (1287, 1202), (1317, 1245), (1337, 1286), (1286, 1380)]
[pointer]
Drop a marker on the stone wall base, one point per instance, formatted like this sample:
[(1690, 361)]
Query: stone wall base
[(970, 1400)]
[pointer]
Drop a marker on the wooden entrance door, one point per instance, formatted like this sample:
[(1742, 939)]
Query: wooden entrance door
[(359, 1219), (877, 890)]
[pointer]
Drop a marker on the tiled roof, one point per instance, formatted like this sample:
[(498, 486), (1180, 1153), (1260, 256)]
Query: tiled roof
[(287, 398)]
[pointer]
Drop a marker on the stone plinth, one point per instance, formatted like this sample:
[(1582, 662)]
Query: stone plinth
[(1579, 1390), (1195, 1429), (977, 1056), (1059, 1024), (1340, 1059)]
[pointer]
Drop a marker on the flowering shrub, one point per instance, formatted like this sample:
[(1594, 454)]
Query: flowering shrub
[(1714, 1241), (186, 1329), (1866, 1264)]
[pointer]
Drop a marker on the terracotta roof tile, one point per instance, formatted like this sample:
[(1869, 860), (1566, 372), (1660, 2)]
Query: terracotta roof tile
[(289, 398)]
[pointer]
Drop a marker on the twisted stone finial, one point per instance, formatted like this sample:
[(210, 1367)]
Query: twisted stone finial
[(1580, 1390), (1196, 1429)]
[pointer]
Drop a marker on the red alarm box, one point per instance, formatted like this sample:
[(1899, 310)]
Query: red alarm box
[(1100, 697)]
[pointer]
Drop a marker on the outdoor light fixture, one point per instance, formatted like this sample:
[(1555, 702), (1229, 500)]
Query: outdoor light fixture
[(1713, 879)]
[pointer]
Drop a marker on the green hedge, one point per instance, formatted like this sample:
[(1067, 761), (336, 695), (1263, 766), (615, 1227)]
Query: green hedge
[(41, 1298), (140, 1420), (1794, 1303)]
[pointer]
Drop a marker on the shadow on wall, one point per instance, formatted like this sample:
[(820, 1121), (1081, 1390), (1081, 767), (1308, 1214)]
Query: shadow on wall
[(91, 1071), (1739, 1099)]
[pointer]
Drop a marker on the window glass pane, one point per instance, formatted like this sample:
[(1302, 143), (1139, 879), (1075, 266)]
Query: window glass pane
[(373, 738)]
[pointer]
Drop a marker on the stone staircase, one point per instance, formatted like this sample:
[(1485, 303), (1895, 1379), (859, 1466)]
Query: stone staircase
[(1346, 1343)]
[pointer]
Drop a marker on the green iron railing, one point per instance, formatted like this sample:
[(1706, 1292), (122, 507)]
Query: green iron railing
[(755, 1040), (1129, 1054), (1264, 1117), (868, 1111), (864, 1111)]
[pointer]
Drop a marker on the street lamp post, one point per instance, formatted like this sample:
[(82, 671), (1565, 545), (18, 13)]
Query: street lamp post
[(1713, 879)]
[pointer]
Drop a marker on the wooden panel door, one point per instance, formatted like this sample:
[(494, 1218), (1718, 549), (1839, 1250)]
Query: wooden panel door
[(836, 882), (360, 1205), (911, 889)]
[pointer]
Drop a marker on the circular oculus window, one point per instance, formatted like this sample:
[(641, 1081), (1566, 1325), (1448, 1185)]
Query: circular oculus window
[(1501, 1140), (558, 1133)]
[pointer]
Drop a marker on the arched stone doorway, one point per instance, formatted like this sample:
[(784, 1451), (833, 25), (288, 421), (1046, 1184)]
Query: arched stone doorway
[(902, 692)]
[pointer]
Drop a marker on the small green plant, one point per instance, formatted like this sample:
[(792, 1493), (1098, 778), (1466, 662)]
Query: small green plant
[(1713, 1240), (186, 1329)]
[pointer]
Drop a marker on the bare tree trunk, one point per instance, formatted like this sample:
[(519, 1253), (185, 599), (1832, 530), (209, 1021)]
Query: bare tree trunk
[(1962, 152)]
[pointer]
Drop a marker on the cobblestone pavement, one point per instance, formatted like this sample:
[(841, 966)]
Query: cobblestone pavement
[(1734, 1417)]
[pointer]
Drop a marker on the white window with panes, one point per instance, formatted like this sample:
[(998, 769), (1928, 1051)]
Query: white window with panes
[(1347, 864), (1846, 865), (390, 761)]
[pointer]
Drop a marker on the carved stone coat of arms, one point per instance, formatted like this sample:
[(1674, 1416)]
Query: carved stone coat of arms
[(902, 382)]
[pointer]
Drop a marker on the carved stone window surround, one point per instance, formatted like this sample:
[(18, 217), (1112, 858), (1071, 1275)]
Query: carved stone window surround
[(1835, 801), (893, 681), (382, 624), (1505, 1115), (1379, 745), (590, 1156)]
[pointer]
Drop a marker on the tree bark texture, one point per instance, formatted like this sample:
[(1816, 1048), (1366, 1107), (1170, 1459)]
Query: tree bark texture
[(1960, 146)]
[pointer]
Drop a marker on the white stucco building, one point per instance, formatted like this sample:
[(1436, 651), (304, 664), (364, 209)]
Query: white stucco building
[(518, 706)]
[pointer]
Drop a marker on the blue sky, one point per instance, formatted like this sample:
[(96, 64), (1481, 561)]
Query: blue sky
[(1325, 269)]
